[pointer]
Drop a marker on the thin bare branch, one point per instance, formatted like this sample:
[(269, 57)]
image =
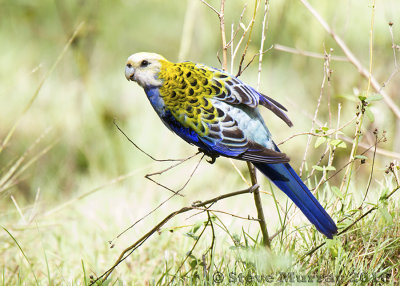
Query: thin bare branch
[(148, 176), (258, 203), (353, 59), (315, 113), (251, 61), (128, 251), (395, 47), (290, 50), (189, 252), (348, 227), (250, 26), (328, 134), (111, 242), (211, 7), (349, 170), (221, 16), (144, 152), (372, 167), (263, 36), (225, 212)]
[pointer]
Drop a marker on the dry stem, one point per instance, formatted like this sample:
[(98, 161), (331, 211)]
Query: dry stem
[(128, 251), (353, 59)]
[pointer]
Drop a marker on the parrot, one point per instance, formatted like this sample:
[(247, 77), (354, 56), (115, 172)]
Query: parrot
[(217, 112)]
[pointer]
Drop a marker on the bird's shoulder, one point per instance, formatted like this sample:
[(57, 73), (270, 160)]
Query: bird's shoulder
[(187, 90), (189, 81)]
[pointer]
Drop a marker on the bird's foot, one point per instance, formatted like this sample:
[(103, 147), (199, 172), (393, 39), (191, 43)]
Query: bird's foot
[(213, 157)]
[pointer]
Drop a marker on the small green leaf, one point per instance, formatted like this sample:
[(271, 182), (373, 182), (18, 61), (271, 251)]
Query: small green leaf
[(191, 235), (337, 192), (330, 168), (384, 193), (362, 97), (361, 157), (334, 246), (338, 143), (335, 142), (342, 145), (318, 168), (193, 263), (386, 215), (374, 97), (325, 129), (319, 141), (350, 97), (197, 226), (369, 114)]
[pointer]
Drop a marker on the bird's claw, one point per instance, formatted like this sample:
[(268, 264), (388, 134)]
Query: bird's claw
[(212, 160), (213, 157)]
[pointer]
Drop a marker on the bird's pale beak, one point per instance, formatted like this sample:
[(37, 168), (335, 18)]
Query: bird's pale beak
[(129, 72)]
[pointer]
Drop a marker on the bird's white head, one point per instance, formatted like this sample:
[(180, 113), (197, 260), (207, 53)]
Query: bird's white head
[(144, 68)]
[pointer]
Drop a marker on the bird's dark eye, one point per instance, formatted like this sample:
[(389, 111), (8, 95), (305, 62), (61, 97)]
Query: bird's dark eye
[(144, 63), (129, 65)]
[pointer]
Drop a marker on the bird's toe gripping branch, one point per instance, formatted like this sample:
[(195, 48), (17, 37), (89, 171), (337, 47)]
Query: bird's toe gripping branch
[(213, 157)]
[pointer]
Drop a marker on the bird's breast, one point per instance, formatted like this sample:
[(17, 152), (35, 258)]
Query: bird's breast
[(153, 94)]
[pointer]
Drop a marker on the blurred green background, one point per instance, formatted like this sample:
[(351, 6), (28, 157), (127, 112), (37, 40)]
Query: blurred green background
[(60, 203)]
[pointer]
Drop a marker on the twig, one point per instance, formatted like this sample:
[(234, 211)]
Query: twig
[(372, 167), (225, 212), (318, 134), (352, 161), (144, 152), (148, 176), (258, 203), (348, 227), (394, 47), (225, 196), (315, 114), (264, 31), (211, 7), (352, 58), (251, 61), (251, 25), (380, 151), (111, 242), (357, 135), (290, 50), (221, 16), (329, 178), (128, 251), (233, 36), (211, 249), (189, 252)]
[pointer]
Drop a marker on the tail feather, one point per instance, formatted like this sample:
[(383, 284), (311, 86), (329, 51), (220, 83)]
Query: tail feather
[(286, 179)]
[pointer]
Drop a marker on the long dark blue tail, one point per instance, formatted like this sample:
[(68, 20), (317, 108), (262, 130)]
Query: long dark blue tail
[(290, 183)]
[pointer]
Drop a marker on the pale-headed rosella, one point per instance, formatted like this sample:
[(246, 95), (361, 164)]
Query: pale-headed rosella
[(218, 113)]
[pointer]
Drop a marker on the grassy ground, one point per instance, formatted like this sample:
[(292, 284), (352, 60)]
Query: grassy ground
[(70, 182)]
